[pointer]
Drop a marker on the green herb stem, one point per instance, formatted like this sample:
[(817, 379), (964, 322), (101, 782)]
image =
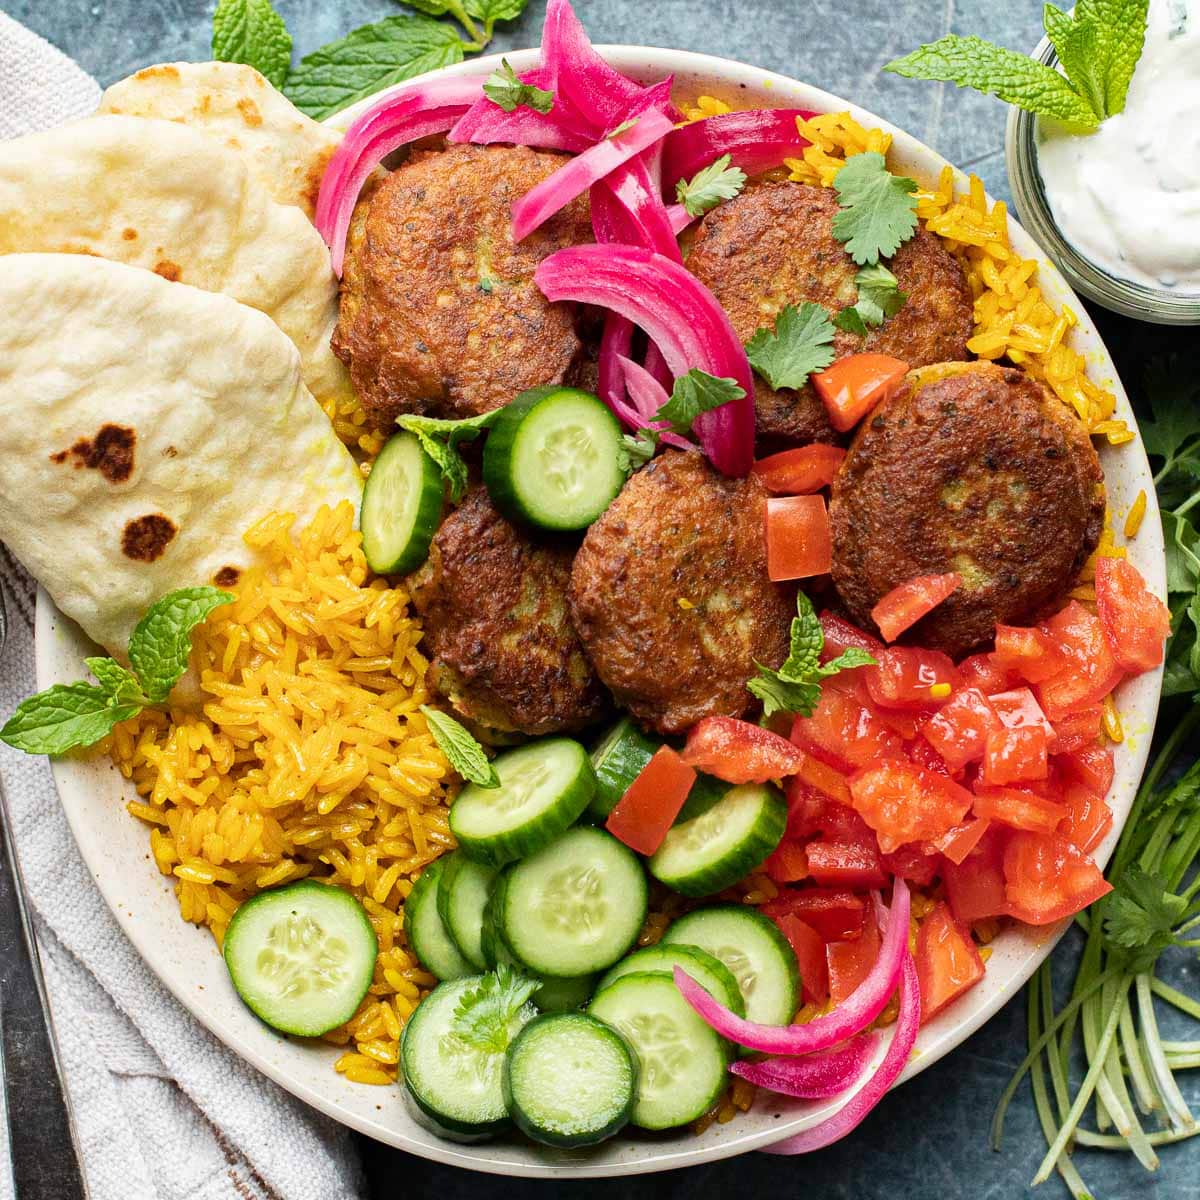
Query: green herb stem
[(1184, 1003), (1177, 1108), (1147, 1095)]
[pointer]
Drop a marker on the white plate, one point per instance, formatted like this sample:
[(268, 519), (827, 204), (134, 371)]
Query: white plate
[(185, 958)]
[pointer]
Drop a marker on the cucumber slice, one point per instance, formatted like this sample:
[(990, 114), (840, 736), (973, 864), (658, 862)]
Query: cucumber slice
[(711, 852), (401, 507), (681, 1060), (551, 459), (462, 895), (457, 1084), (301, 956), (705, 793), (569, 1080), (564, 995), (544, 786), (574, 907), (427, 934), (706, 969), (756, 953)]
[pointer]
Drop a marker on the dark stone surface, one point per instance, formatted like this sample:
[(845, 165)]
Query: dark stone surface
[(929, 1141)]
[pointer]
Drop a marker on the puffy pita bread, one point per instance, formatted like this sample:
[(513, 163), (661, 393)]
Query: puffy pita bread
[(144, 425), (285, 150), (158, 195)]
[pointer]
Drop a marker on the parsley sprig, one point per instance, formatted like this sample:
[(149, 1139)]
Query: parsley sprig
[(489, 1015), (504, 87), (710, 185), (800, 343), (877, 210)]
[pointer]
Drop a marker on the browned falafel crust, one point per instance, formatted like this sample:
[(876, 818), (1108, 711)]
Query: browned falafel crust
[(439, 310), (773, 245), (973, 468), (670, 593), (494, 606)]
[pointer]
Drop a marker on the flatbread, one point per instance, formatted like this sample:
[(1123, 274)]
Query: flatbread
[(144, 425), (158, 195), (282, 148)]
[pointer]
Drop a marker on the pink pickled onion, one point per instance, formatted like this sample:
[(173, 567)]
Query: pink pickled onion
[(852, 1016), (485, 122), (815, 1076), (647, 394), (396, 120), (680, 315), (574, 178), (640, 216), (657, 366), (615, 342), (756, 139), (853, 1112), (679, 217)]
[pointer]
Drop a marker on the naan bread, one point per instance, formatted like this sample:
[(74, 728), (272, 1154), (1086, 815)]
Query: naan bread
[(283, 149), (144, 425), (158, 195)]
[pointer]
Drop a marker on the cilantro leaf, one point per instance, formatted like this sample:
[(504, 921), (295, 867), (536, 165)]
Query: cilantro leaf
[(489, 1015), (162, 640), (63, 717), (369, 59), (710, 185), (252, 32), (636, 450), (1181, 544), (879, 297), (440, 440), (695, 393), (801, 343), (878, 210), (462, 751), (1141, 915), (506, 90)]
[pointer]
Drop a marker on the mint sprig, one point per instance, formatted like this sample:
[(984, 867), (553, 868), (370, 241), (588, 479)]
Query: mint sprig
[(252, 32), (440, 439), (462, 751)]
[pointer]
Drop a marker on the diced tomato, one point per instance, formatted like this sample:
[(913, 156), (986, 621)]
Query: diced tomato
[(801, 471), (1015, 755), (958, 730), (975, 887), (1019, 709), (912, 861), (850, 962), (908, 602), (811, 812), (1091, 766), (958, 842), (905, 803), (739, 751), (652, 801), (854, 385), (924, 755), (840, 635), (787, 863), (799, 540), (843, 731), (904, 676), (1028, 652), (905, 722), (1077, 729), (845, 864), (1018, 808), (1046, 878), (826, 779), (947, 960), (982, 672), (810, 957), (1135, 621), (1091, 671), (835, 915), (1088, 818)]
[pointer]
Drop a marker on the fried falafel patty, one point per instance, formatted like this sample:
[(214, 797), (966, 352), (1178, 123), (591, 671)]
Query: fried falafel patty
[(439, 311), (494, 605), (670, 593), (972, 468), (773, 245)]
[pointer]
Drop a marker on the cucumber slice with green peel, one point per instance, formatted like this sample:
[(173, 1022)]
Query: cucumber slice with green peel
[(459, 1085), (681, 1060), (575, 906), (301, 957), (427, 933), (544, 787), (552, 458), (713, 851), (462, 894), (705, 794), (401, 507), (569, 1080), (758, 956), (564, 995), (706, 969)]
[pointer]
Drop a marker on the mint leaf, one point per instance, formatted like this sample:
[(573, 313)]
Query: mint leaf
[(122, 686), (506, 90), (879, 297), (695, 393), (440, 439), (491, 11), (878, 210), (807, 640), (369, 59), (162, 639), (710, 185), (489, 1015), (1119, 36), (462, 751), (252, 32), (64, 717), (1076, 42), (801, 343)]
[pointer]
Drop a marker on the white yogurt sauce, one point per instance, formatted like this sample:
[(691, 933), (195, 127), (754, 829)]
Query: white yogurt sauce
[(1128, 195)]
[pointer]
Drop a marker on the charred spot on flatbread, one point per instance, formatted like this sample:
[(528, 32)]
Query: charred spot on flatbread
[(227, 577), (168, 270), (145, 539), (250, 112), (129, 234), (110, 451)]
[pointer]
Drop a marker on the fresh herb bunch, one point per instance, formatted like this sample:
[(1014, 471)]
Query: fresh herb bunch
[(368, 59)]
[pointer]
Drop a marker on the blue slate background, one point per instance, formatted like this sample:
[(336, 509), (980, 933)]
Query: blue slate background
[(929, 1140)]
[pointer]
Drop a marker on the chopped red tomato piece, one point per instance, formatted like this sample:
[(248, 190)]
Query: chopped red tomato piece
[(739, 752), (948, 961), (839, 863), (849, 962), (1091, 766), (1088, 818), (644, 814), (958, 842), (908, 677), (908, 602), (810, 813), (1019, 709), (905, 803), (1077, 730), (799, 540), (1091, 671), (924, 755), (840, 635), (1028, 652), (843, 731), (975, 887), (826, 779), (958, 730), (1046, 878), (809, 947), (912, 861), (835, 915), (787, 863), (856, 384), (1019, 808), (1015, 755), (801, 471), (983, 672), (1135, 621)]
